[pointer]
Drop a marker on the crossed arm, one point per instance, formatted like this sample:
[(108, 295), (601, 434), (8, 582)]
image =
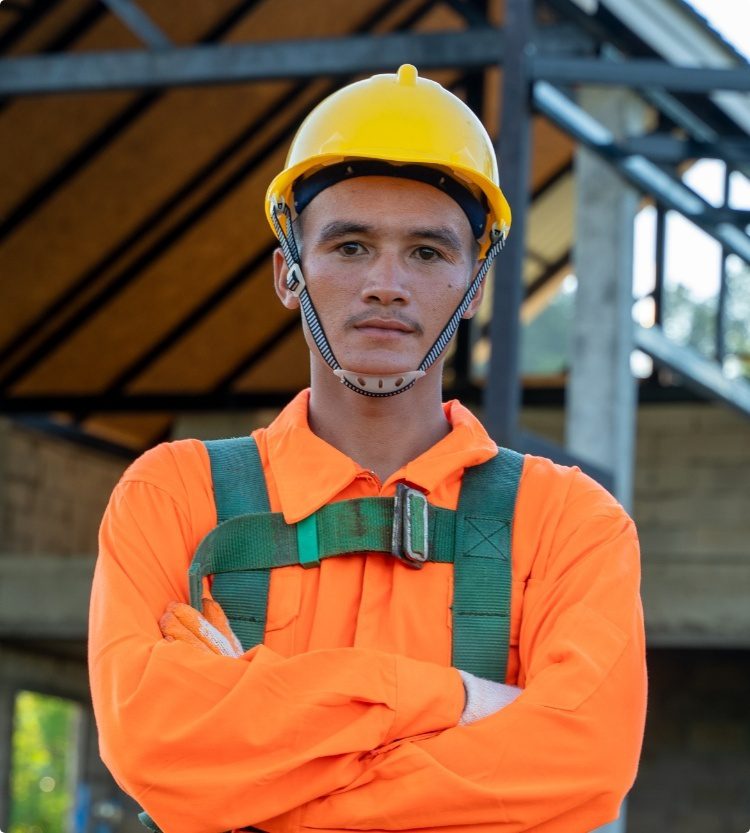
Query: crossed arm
[(352, 739)]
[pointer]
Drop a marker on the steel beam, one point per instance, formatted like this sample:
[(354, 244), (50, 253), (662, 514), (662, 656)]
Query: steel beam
[(700, 374), (232, 63), (662, 147), (129, 403), (139, 23), (639, 73), (639, 171)]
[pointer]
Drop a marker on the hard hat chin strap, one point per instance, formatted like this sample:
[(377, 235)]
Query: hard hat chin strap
[(366, 384)]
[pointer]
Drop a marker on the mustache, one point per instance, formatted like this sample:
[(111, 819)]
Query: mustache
[(361, 317)]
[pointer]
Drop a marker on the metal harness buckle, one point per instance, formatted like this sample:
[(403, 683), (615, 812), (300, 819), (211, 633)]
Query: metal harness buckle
[(410, 535)]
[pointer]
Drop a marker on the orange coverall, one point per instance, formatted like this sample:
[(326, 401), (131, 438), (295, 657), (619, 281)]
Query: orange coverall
[(345, 718)]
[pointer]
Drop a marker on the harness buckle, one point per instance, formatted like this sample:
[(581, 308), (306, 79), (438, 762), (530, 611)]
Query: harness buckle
[(410, 535)]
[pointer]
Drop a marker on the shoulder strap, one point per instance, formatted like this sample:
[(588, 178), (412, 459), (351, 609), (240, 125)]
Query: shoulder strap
[(482, 566), (239, 488), (238, 478)]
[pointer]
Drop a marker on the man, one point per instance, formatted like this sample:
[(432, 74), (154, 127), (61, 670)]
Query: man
[(350, 714)]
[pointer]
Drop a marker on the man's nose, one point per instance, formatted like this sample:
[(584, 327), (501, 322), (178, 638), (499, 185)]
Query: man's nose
[(386, 282)]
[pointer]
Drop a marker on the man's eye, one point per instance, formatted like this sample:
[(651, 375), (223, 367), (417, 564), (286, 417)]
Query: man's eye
[(427, 253), (350, 248)]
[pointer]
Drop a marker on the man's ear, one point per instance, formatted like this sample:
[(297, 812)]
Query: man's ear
[(280, 270), (475, 302)]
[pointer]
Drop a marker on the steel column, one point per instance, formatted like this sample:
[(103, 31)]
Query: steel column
[(503, 393)]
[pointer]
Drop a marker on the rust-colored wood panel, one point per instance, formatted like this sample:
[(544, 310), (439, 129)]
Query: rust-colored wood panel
[(552, 151), (250, 316), (147, 163), (287, 368), (47, 28), (166, 291)]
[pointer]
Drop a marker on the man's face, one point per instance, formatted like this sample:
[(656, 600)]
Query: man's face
[(386, 262)]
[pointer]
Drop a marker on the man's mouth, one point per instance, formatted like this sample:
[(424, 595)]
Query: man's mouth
[(392, 324)]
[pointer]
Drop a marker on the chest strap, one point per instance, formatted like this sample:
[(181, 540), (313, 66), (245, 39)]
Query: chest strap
[(250, 540)]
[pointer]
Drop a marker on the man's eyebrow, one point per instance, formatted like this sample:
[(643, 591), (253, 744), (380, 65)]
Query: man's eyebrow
[(443, 235), (341, 228), (440, 234)]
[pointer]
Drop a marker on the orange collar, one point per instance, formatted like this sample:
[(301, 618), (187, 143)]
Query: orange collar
[(309, 472)]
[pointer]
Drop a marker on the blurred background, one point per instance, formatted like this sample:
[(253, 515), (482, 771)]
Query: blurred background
[(137, 138)]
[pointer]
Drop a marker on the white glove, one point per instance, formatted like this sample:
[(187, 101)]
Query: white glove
[(483, 697)]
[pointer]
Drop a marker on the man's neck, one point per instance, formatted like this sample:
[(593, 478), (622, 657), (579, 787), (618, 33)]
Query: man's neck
[(381, 434)]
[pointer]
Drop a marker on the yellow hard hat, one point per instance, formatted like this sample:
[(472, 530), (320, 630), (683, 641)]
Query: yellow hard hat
[(410, 124)]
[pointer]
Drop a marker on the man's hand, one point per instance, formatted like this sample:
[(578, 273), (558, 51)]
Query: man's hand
[(483, 697), (209, 631)]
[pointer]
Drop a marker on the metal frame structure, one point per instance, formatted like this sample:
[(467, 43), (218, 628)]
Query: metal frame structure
[(539, 62)]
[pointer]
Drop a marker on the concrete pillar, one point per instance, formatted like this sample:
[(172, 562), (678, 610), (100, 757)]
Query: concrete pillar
[(601, 391)]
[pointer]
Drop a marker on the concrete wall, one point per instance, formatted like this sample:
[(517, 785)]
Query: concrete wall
[(692, 510), (695, 768), (52, 493), (52, 496)]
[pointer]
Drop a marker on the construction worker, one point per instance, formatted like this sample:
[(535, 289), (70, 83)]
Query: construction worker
[(394, 626)]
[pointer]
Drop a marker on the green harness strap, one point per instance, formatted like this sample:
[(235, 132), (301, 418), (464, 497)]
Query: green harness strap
[(250, 540), (482, 569), (239, 489)]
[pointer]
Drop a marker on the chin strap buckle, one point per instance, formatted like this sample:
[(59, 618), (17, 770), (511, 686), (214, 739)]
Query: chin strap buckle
[(295, 281), (410, 536), (379, 385)]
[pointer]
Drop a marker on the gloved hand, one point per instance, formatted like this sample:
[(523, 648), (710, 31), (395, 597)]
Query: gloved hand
[(483, 697), (209, 631)]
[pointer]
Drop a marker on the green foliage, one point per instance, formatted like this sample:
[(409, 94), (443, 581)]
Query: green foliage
[(545, 341), (44, 735), (688, 320)]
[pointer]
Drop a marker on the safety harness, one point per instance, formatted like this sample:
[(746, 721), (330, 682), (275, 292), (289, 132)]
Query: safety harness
[(250, 540)]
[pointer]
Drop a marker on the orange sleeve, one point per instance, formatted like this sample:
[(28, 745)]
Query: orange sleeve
[(205, 742), (564, 754)]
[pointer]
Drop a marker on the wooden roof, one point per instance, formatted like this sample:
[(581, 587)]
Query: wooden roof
[(135, 258)]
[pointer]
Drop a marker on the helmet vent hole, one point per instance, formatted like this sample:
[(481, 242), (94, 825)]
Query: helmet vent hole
[(380, 383), (399, 381), (361, 382)]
